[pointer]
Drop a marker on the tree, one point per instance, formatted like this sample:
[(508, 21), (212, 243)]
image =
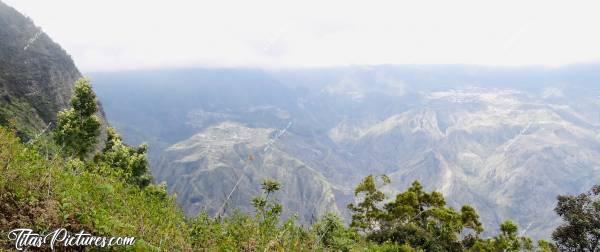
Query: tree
[(470, 220), (581, 213), (422, 220), (544, 246), (366, 214), (124, 161), (78, 128), (332, 234), (268, 210), (415, 218), (509, 241)]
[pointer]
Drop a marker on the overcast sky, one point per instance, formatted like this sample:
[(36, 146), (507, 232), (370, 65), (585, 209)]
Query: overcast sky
[(137, 34)]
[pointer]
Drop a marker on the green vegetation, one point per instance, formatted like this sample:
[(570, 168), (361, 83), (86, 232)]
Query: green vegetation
[(128, 162), (78, 128), (420, 220), (63, 179), (48, 184), (581, 213), (22, 115), (34, 83)]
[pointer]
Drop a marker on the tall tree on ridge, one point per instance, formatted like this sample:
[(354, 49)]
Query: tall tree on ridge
[(78, 128)]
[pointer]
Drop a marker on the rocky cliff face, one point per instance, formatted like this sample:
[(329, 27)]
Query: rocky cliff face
[(36, 74)]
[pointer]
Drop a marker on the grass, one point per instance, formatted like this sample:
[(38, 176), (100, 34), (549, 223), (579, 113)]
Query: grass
[(41, 190), (48, 193)]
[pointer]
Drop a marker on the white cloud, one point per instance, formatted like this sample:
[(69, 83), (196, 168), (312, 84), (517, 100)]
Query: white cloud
[(552, 92), (114, 35)]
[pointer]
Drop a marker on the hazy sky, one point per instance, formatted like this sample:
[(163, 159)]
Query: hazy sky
[(136, 34)]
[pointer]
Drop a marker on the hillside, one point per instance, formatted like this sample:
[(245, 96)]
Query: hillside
[(234, 159), (41, 188), (36, 74), (62, 168)]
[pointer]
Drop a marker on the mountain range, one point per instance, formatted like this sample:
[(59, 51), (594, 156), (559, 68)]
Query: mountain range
[(506, 140)]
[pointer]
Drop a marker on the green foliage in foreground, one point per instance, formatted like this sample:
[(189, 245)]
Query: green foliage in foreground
[(421, 220), (129, 163), (49, 182), (42, 189), (581, 213), (48, 192)]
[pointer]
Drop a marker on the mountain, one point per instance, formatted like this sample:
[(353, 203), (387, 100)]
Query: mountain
[(507, 140), (232, 158), (507, 154), (36, 74)]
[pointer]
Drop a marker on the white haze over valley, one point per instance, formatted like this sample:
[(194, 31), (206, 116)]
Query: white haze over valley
[(116, 35)]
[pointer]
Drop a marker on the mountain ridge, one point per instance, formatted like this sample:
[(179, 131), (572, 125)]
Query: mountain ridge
[(37, 76), (507, 149)]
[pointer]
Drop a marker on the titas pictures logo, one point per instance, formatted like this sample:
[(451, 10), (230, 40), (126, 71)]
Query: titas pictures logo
[(24, 238)]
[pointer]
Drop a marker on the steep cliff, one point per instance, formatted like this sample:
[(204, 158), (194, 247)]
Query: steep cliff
[(36, 74)]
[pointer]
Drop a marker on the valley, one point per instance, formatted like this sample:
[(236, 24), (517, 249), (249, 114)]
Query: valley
[(507, 150)]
